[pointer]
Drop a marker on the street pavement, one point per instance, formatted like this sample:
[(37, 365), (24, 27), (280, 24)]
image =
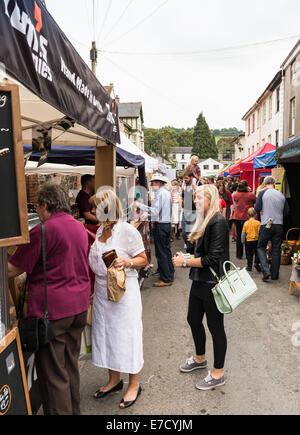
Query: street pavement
[(262, 364)]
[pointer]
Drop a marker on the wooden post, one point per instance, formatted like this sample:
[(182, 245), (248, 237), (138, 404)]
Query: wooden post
[(105, 166)]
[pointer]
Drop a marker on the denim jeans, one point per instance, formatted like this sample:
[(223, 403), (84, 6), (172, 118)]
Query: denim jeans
[(162, 241), (274, 235)]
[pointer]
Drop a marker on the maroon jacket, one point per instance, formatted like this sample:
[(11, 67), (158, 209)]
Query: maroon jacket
[(244, 201), (195, 169)]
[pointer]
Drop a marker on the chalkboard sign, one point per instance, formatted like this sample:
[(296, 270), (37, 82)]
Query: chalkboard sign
[(13, 202), (14, 397)]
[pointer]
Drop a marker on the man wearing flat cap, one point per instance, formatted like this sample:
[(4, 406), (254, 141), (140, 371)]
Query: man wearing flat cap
[(160, 213)]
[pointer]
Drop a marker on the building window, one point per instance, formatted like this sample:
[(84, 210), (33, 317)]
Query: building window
[(270, 107), (253, 149), (257, 146), (253, 123), (277, 99), (277, 138), (293, 70), (263, 141), (258, 118), (292, 116), (206, 167), (174, 156), (264, 113), (249, 151), (270, 138), (182, 157), (216, 166)]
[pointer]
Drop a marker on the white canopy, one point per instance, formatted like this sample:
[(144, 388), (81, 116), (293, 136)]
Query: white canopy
[(51, 168), (150, 163)]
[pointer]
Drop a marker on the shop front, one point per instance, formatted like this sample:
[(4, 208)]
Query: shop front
[(48, 97)]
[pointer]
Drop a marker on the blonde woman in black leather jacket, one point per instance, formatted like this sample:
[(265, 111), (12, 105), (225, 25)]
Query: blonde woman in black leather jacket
[(210, 239)]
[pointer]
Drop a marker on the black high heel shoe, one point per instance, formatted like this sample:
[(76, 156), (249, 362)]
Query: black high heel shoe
[(132, 402), (100, 394)]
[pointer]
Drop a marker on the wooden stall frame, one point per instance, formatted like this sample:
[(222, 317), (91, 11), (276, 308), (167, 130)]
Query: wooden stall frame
[(4, 343), (19, 164)]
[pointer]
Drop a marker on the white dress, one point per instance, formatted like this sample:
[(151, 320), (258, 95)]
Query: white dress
[(117, 329)]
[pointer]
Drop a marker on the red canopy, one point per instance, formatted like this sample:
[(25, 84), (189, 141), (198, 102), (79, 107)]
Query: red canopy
[(245, 168), (247, 163)]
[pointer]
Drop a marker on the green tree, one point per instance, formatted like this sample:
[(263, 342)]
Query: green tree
[(185, 138), (168, 141), (152, 140), (204, 142)]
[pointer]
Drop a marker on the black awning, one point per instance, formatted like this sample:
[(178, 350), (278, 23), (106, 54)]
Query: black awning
[(289, 152), (37, 53)]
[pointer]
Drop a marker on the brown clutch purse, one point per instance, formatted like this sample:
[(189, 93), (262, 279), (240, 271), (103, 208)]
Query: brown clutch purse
[(109, 257)]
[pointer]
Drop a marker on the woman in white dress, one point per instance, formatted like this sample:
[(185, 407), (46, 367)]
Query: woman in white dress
[(117, 329)]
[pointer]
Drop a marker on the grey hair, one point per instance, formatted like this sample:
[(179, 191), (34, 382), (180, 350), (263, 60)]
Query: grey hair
[(269, 180), (55, 197)]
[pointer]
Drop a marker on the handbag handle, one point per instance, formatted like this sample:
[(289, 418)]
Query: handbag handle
[(234, 266), (226, 274)]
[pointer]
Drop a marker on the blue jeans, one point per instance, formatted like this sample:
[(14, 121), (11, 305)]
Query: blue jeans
[(274, 235)]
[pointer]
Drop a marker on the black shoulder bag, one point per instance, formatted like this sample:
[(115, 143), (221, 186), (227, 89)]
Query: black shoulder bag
[(36, 332)]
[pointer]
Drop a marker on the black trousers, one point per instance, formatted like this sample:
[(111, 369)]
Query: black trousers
[(202, 302), (162, 241), (239, 245), (251, 251)]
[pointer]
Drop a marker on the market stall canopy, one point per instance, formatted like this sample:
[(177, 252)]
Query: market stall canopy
[(289, 157), (225, 170), (84, 156), (35, 51), (151, 163), (51, 168), (231, 167), (246, 165), (267, 160), (289, 152)]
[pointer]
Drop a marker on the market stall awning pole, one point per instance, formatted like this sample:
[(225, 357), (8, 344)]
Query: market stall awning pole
[(105, 166)]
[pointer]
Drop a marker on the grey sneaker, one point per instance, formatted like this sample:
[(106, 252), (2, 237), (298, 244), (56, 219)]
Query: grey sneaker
[(191, 365), (209, 383)]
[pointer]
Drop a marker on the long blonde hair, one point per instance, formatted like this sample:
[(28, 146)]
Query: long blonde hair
[(211, 193)]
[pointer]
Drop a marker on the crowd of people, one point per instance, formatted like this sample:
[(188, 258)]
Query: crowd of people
[(201, 211), (248, 215)]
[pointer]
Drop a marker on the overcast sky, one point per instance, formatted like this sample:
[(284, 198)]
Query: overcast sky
[(175, 88)]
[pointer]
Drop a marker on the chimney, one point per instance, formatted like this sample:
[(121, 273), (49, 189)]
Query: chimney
[(117, 99)]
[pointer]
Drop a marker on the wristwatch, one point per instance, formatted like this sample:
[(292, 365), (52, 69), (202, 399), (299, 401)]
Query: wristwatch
[(131, 265), (184, 263)]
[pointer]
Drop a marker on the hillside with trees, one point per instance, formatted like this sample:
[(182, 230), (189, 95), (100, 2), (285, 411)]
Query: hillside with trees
[(204, 142)]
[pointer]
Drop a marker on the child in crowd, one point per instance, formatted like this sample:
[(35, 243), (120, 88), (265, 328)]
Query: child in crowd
[(250, 238)]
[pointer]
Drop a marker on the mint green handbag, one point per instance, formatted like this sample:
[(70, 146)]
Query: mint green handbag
[(233, 289)]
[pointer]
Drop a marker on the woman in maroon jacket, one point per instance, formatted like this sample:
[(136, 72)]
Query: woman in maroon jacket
[(244, 200)]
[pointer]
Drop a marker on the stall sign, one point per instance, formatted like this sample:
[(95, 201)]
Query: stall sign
[(35, 51)]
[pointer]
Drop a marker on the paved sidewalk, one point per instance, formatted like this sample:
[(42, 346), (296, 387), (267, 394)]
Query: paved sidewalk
[(262, 365)]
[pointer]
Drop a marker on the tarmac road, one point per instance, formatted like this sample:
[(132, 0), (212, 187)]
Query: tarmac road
[(262, 364)]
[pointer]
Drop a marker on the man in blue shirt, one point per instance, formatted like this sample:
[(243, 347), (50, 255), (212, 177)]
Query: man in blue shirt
[(160, 213), (273, 207)]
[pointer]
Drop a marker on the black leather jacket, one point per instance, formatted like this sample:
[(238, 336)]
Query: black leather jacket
[(213, 248)]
